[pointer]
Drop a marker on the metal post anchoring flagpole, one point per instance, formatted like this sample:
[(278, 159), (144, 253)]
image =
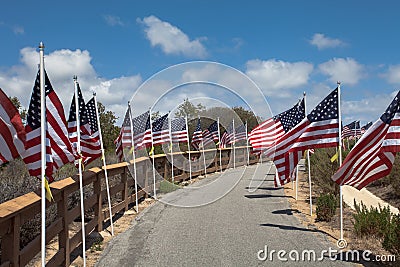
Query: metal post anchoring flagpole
[(78, 149), (341, 243), (133, 157), (104, 164), (43, 153)]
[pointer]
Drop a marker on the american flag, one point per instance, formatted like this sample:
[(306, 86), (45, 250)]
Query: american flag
[(89, 142), (366, 127), (373, 155), (12, 132), (240, 133), (210, 135), (124, 138), (59, 150), (268, 132), (227, 137), (160, 129), (197, 136), (352, 129), (94, 127), (178, 130), (142, 130), (318, 130)]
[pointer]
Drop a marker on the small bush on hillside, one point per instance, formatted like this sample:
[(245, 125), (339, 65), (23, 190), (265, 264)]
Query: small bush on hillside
[(371, 222), (326, 207), (391, 241)]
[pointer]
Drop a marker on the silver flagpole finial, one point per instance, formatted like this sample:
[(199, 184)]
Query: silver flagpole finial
[(94, 93), (41, 46), (338, 82), (75, 78)]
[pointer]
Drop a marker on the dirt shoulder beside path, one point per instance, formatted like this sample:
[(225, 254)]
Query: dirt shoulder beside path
[(301, 209)]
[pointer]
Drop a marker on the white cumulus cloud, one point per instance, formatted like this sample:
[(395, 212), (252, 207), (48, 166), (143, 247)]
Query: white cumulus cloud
[(61, 66), (171, 39), (346, 70), (273, 76), (393, 74), (322, 42)]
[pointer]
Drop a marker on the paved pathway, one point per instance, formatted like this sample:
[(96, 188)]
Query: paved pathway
[(234, 230)]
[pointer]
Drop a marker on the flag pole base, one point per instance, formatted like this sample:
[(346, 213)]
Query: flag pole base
[(341, 243)]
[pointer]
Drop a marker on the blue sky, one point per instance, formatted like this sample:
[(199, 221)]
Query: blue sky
[(285, 47)]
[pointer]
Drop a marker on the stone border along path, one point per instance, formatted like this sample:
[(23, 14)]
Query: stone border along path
[(350, 194)]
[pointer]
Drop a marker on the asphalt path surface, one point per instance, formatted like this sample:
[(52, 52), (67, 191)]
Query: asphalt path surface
[(237, 218)]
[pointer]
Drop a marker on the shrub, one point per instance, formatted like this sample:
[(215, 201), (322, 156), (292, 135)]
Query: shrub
[(391, 241), (326, 207), (371, 222)]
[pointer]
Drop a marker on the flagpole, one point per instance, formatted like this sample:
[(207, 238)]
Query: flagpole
[(341, 243), (152, 149), (134, 157), (172, 151), (43, 152), (204, 155), (104, 164), (297, 179), (78, 149), (247, 146), (309, 180), (188, 142), (308, 159), (234, 154), (219, 146)]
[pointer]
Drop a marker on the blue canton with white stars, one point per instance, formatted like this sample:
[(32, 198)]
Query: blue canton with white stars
[(141, 123), (291, 117), (82, 109), (91, 115), (33, 117), (160, 124), (178, 124), (393, 108), (327, 109)]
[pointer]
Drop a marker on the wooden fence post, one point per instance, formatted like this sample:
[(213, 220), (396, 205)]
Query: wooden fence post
[(63, 236), (146, 181), (98, 209), (124, 181), (10, 242)]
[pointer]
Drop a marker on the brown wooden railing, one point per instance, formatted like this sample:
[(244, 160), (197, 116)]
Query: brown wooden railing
[(18, 211)]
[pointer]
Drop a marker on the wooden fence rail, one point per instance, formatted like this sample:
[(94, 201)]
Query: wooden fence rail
[(18, 211)]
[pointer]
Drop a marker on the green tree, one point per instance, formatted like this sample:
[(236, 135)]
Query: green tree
[(109, 130), (190, 110), (17, 104), (247, 116)]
